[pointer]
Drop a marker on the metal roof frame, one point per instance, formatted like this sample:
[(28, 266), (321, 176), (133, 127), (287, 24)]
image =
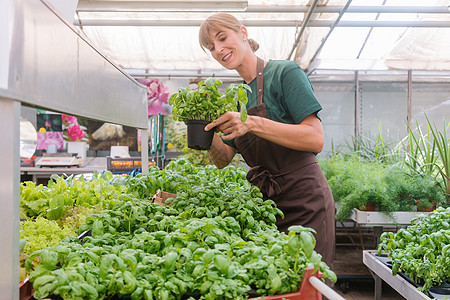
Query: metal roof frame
[(140, 6), (263, 23), (303, 27), (107, 13), (335, 23)]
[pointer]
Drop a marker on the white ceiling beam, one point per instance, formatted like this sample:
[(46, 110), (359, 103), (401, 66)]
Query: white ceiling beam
[(149, 6), (386, 9), (263, 23), (160, 5), (369, 69), (219, 73)]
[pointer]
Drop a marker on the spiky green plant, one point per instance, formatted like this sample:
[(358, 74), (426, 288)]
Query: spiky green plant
[(377, 148), (422, 153), (443, 146)]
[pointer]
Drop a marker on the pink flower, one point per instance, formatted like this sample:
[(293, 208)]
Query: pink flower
[(75, 132), (48, 138), (69, 119), (157, 95), (48, 123), (154, 90)]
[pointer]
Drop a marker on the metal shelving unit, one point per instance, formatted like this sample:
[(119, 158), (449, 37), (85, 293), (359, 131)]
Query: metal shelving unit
[(383, 273), (47, 63), (362, 232), (377, 218)]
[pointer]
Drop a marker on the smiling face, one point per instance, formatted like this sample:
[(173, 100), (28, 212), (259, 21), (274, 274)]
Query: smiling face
[(226, 38), (228, 47)]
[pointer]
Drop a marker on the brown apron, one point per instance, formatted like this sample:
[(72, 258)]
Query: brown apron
[(291, 178)]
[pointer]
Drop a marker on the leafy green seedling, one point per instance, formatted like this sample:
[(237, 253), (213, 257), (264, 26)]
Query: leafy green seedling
[(207, 103)]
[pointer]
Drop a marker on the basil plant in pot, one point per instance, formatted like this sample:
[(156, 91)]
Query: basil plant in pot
[(196, 108)]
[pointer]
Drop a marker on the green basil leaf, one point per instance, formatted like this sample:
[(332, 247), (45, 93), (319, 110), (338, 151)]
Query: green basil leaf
[(308, 242), (243, 112), (221, 263), (49, 259), (97, 228)]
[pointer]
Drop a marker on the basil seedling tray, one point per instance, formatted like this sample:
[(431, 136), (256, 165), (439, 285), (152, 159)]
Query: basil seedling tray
[(435, 292), (307, 291)]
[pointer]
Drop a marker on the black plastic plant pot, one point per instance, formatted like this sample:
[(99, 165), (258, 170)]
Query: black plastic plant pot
[(197, 137)]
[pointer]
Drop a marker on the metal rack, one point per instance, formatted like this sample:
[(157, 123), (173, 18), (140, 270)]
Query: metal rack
[(362, 232), (378, 220), (45, 62), (383, 273)]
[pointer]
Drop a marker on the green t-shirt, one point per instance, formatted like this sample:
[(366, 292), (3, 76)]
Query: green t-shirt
[(288, 93)]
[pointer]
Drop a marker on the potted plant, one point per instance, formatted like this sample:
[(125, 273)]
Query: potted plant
[(75, 136), (205, 104), (357, 183)]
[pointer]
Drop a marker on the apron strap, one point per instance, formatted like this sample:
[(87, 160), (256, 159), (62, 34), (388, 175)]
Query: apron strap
[(259, 79)]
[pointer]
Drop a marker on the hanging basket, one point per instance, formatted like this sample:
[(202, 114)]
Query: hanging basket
[(197, 137)]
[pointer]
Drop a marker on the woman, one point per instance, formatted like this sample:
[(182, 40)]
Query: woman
[(281, 135)]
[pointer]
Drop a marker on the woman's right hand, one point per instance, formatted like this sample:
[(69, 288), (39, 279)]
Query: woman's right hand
[(230, 125)]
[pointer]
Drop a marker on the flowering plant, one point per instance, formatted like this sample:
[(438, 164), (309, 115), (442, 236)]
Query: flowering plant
[(67, 120), (74, 130), (157, 95)]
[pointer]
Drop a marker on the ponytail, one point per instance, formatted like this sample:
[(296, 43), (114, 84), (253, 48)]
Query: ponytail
[(253, 44)]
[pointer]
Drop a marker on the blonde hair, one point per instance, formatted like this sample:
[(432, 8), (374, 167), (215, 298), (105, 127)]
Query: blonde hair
[(218, 22)]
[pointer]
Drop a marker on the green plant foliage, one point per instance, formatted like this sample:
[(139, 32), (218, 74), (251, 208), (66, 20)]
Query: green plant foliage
[(177, 135), (53, 212), (356, 182), (216, 240), (63, 193), (442, 143), (429, 153), (181, 176), (41, 233), (422, 250), (422, 153), (412, 191), (377, 148), (207, 103)]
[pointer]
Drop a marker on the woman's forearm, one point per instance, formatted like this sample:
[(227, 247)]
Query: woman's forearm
[(306, 136), (220, 153)]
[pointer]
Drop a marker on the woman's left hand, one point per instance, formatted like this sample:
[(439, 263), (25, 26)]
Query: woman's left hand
[(230, 125)]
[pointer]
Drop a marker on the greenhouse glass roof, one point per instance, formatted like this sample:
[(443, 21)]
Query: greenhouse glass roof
[(160, 38)]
